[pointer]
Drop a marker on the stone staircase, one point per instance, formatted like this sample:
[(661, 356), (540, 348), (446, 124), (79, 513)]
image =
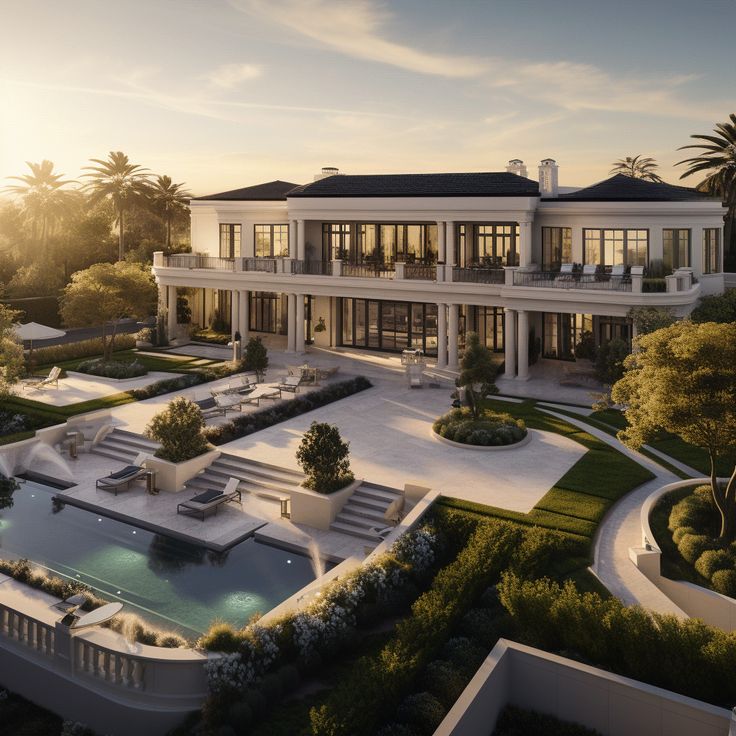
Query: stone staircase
[(365, 512), (124, 446)]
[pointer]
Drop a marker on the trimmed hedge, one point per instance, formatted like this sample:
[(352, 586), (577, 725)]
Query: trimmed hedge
[(493, 429), (263, 418), (81, 349), (112, 368)]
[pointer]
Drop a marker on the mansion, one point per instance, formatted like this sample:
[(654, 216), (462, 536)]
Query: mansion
[(415, 261)]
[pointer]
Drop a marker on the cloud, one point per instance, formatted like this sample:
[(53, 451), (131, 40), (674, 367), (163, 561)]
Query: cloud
[(355, 28), (231, 75)]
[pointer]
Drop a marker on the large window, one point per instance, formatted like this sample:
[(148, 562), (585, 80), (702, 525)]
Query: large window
[(489, 323), (712, 250), (229, 240), (556, 247), (335, 240), (675, 249), (616, 247), (271, 241), (562, 332), (496, 244)]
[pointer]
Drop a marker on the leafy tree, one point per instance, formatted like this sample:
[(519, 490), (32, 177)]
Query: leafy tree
[(179, 430), (718, 161), (34, 280), (121, 181), (255, 356), (637, 167), (11, 351), (477, 373), (609, 360), (168, 200), (8, 486), (649, 319), (325, 458), (105, 293), (716, 308), (683, 381)]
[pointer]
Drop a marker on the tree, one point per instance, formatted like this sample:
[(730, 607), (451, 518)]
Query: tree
[(34, 280), (179, 430), (8, 486), (325, 458), (649, 319), (168, 200), (477, 373), (609, 360), (120, 181), (718, 161), (105, 293), (12, 363), (716, 308), (255, 356), (682, 380), (637, 167)]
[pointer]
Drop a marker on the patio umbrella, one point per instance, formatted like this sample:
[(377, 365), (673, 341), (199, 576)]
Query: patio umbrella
[(34, 331)]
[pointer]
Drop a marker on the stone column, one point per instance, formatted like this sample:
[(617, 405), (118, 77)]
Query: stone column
[(525, 244), (300, 245), (292, 238), (509, 342), (441, 336), (450, 243), (291, 324), (523, 345), (441, 243), (244, 315), (299, 323), (453, 327), (234, 313), (171, 306)]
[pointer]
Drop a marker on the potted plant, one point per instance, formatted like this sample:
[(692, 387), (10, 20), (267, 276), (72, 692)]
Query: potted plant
[(325, 458)]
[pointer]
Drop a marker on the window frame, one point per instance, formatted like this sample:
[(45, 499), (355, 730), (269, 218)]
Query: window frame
[(602, 261), (709, 255), (676, 235), (272, 239), (232, 241), (549, 247)]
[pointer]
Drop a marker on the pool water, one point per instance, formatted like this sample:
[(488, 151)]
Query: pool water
[(172, 584)]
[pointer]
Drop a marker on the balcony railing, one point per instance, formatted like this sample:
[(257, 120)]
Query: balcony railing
[(265, 265), (420, 272), (479, 275), (368, 270), (557, 280), (312, 268), (195, 260)]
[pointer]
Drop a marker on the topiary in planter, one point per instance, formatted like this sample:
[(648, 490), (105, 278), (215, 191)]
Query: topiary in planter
[(179, 430), (325, 458), (490, 429), (691, 546)]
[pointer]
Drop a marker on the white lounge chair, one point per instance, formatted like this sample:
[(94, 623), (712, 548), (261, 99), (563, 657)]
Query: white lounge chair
[(121, 479), (618, 270), (39, 382), (589, 269), (225, 402), (290, 384)]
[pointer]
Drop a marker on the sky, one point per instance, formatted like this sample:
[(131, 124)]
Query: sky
[(221, 94)]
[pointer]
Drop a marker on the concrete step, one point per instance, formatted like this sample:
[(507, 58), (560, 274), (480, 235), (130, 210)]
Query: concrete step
[(360, 522), (377, 494), (123, 457), (362, 512), (353, 531), (128, 449), (273, 484), (236, 469), (369, 503), (206, 483), (130, 439), (257, 466)]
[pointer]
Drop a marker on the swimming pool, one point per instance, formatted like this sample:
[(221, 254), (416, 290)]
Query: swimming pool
[(172, 584)]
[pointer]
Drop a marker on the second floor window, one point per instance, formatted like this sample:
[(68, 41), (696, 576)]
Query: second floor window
[(496, 244), (335, 241), (230, 240), (613, 247), (675, 249), (711, 250), (271, 241), (556, 247)]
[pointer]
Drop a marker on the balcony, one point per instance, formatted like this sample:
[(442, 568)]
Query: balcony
[(557, 280), (478, 275)]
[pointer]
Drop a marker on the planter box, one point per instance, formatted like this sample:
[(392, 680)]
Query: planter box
[(319, 509), (492, 448), (171, 477)]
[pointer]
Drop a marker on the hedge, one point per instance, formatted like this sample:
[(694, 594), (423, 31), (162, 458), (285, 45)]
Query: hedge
[(81, 349)]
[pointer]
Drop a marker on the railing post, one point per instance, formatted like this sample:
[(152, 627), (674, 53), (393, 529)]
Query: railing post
[(509, 272), (158, 258), (285, 265), (684, 279), (671, 282), (400, 270), (336, 267), (637, 279)]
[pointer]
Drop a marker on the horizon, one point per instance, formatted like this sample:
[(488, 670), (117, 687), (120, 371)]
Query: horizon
[(231, 94)]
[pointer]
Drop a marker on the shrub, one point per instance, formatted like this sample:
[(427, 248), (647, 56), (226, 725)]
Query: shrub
[(255, 356), (694, 510), (724, 581), (325, 458), (221, 637), (112, 368), (483, 625), (240, 716), (609, 361), (81, 349), (422, 710), (463, 654), (691, 546), (396, 729), (167, 386), (490, 429), (179, 430), (681, 531), (517, 722), (712, 560), (444, 680)]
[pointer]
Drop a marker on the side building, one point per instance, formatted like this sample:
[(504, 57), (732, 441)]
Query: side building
[(390, 262)]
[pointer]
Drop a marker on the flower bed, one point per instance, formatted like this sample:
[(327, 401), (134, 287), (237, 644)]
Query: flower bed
[(493, 429), (112, 368), (264, 418)]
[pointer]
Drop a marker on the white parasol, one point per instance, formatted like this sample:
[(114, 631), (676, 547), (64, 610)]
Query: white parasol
[(34, 331)]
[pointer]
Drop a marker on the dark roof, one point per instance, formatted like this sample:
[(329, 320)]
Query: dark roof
[(493, 184), (271, 190), (622, 188)]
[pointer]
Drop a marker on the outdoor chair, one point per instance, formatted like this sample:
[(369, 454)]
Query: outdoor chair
[(39, 382), (589, 269), (324, 374), (209, 501), (566, 272), (289, 384), (121, 479), (618, 270), (224, 402), (262, 392)]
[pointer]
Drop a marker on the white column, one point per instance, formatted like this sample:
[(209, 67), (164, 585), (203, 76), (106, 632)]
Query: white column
[(523, 346), (234, 313), (453, 327), (441, 249), (441, 336), (299, 323), (525, 243), (450, 243), (244, 315), (577, 245), (291, 324), (171, 306), (509, 342), (300, 246), (292, 238)]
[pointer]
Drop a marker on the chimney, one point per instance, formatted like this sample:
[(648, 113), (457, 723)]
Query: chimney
[(327, 171), (548, 177), (516, 166)]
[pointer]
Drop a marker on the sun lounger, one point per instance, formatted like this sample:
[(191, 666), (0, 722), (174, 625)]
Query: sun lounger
[(325, 373), (290, 384), (209, 501), (224, 402), (39, 382), (589, 269), (121, 479), (262, 392)]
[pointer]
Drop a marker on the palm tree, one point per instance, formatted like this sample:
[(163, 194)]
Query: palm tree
[(44, 197), (122, 182), (718, 160), (167, 201), (637, 167)]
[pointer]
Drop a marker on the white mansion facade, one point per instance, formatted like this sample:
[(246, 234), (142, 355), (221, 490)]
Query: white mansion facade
[(389, 262)]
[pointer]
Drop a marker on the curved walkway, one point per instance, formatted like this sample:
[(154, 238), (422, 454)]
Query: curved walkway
[(621, 529)]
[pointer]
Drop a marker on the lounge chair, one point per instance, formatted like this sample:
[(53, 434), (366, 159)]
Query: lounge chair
[(225, 402), (325, 373), (121, 479), (39, 382), (210, 501), (290, 384), (262, 392), (566, 272), (589, 269), (619, 270), (245, 385)]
